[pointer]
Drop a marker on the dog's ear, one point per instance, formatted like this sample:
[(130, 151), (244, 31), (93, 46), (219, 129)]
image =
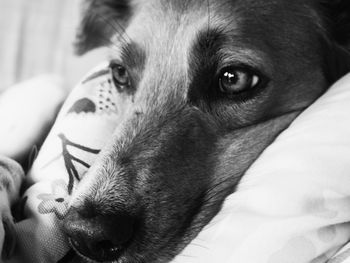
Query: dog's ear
[(337, 14), (336, 17), (101, 19)]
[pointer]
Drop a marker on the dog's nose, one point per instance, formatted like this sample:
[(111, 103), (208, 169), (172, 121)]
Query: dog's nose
[(101, 237)]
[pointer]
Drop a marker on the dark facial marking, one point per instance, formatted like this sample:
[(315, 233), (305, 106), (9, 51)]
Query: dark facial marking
[(203, 63), (96, 75), (83, 105)]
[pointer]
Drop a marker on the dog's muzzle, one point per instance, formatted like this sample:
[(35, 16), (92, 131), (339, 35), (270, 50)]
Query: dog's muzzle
[(100, 238)]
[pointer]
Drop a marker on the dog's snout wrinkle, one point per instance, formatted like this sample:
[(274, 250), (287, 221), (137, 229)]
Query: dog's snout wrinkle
[(100, 237)]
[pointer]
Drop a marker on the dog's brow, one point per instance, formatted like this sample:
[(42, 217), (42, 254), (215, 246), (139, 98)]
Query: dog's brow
[(205, 47), (216, 45), (210, 39)]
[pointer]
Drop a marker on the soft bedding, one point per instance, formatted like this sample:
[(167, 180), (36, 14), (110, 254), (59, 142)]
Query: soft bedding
[(293, 204)]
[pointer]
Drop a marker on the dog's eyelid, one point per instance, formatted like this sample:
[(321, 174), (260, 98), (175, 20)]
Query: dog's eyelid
[(246, 58), (115, 62), (253, 70), (121, 77)]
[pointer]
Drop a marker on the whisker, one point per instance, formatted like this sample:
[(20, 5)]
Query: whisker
[(104, 33), (208, 28), (186, 256), (198, 245), (101, 35), (211, 193), (117, 27)]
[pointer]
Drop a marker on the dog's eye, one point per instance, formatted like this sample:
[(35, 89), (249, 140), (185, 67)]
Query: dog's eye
[(237, 80), (120, 75)]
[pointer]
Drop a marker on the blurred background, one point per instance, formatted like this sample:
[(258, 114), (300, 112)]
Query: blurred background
[(36, 37)]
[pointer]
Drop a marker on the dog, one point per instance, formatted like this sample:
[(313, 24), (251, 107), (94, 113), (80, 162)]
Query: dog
[(210, 84)]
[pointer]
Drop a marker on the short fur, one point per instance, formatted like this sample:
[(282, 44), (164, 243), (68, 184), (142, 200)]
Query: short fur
[(183, 147)]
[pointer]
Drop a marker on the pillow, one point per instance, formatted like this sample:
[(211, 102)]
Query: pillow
[(26, 110), (293, 204)]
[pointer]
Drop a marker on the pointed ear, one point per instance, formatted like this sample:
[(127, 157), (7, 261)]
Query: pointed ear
[(101, 19), (336, 17)]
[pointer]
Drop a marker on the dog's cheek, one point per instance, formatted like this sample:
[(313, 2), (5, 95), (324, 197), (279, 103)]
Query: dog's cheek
[(336, 62), (238, 150)]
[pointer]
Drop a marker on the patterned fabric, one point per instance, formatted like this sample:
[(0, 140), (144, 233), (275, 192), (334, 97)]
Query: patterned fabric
[(86, 121)]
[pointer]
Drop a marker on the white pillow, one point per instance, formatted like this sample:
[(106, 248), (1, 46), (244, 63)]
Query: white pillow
[(26, 110), (293, 204)]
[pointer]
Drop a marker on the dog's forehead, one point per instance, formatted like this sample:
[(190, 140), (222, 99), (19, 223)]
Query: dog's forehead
[(168, 25), (173, 26)]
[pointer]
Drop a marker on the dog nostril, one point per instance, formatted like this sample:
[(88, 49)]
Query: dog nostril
[(107, 246), (100, 251), (100, 238)]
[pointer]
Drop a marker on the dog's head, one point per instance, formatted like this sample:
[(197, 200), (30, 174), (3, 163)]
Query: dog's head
[(211, 84)]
